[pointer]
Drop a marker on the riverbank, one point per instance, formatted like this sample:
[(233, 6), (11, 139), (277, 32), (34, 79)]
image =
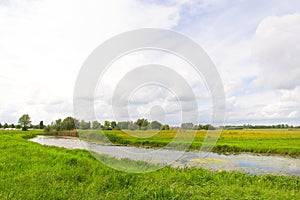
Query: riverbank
[(32, 171)]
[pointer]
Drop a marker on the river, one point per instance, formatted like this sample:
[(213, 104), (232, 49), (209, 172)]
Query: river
[(248, 163)]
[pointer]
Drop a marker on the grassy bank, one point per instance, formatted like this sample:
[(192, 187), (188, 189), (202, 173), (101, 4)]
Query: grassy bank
[(31, 171), (271, 141)]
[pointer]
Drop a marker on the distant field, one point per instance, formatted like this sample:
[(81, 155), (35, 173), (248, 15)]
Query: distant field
[(31, 171), (272, 141)]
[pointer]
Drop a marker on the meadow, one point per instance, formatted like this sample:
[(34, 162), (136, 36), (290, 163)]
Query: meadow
[(31, 171), (266, 141)]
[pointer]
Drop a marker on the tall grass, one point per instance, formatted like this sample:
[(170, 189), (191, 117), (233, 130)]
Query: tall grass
[(71, 133)]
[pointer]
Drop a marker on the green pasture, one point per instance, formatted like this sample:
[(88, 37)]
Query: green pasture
[(31, 171)]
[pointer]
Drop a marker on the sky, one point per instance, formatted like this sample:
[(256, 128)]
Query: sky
[(254, 44)]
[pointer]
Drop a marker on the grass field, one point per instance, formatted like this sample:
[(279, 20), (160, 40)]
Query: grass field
[(32, 171), (272, 141)]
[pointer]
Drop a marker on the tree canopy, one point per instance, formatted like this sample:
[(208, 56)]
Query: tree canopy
[(25, 122)]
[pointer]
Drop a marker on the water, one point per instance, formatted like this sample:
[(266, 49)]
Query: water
[(252, 164)]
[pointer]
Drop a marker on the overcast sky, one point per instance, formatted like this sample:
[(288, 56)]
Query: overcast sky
[(255, 45)]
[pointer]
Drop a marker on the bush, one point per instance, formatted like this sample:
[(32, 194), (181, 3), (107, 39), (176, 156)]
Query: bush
[(47, 129)]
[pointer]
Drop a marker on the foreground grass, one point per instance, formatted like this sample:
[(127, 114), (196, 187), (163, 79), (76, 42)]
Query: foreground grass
[(272, 141), (31, 171)]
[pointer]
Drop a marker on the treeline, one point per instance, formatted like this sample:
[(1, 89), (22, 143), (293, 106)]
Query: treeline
[(71, 123), (249, 126), (24, 123), (191, 126), (18, 126), (6, 125)]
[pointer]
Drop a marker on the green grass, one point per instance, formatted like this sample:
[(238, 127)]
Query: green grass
[(271, 141), (32, 171)]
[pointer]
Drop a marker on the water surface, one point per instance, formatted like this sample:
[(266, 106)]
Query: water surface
[(252, 164)]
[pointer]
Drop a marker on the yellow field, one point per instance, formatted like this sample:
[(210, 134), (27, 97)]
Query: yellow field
[(275, 141)]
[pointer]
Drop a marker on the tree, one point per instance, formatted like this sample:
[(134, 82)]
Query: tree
[(68, 124), (166, 127), (96, 125), (142, 123), (56, 125), (107, 125), (187, 126), (35, 126), (5, 125), (24, 121), (41, 125), (123, 125), (208, 127), (199, 127), (47, 129), (85, 125), (18, 126), (155, 125), (132, 126), (139, 122), (1, 125), (76, 123), (113, 125)]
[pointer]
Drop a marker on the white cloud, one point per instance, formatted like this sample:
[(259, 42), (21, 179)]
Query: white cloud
[(147, 96), (277, 50), (228, 34), (43, 44)]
